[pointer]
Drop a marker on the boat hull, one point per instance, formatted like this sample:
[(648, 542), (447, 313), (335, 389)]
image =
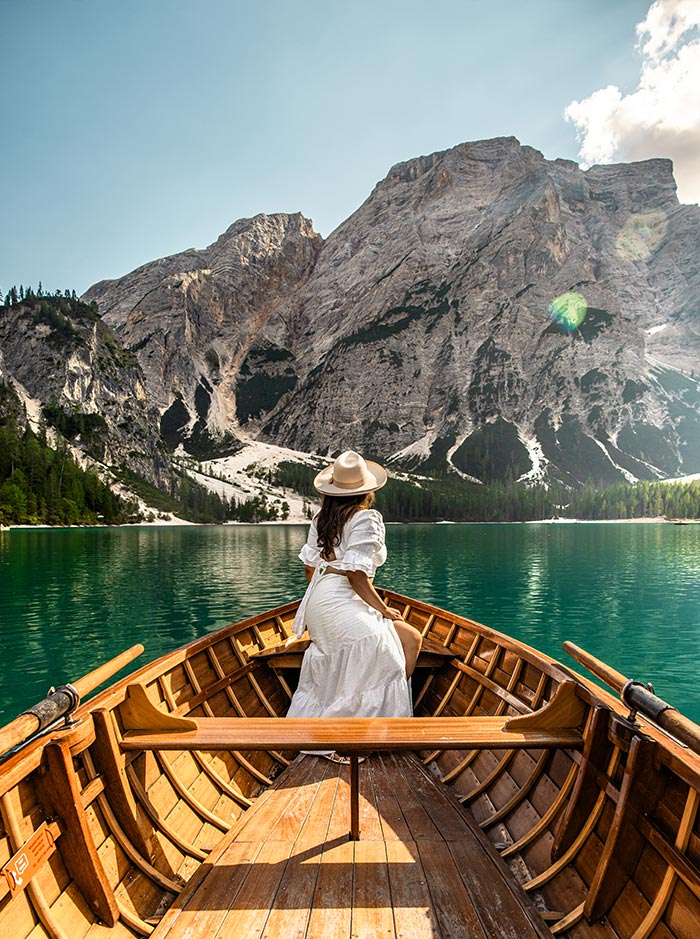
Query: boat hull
[(603, 838)]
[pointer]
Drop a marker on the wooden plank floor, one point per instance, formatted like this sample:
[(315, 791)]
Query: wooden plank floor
[(420, 869)]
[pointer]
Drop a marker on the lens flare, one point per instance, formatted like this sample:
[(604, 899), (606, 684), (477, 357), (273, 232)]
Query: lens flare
[(568, 311), (641, 235)]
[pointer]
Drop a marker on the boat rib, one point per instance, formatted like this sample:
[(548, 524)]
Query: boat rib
[(479, 832)]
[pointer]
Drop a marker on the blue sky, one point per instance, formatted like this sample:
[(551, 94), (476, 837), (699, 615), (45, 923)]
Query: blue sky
[(136, 128)]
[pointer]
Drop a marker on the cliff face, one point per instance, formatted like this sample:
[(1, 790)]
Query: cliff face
[(425, 331), (92, 391), (192, 319), (484, 309)]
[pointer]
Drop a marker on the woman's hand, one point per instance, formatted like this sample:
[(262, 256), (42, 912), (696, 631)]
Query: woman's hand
[(392, 614), (363, 587)]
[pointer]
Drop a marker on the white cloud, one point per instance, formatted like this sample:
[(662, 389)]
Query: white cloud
[(661, 118), (665, 24)]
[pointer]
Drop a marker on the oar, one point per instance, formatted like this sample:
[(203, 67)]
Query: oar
[(62, 701), (640, 698)]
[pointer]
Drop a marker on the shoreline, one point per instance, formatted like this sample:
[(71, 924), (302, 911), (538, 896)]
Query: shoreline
[(183, 523)]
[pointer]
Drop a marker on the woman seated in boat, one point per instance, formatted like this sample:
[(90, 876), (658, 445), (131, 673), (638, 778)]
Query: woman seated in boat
[(361, 651)]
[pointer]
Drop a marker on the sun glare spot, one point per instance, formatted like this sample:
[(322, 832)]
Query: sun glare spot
[(641, 235), (568, 311)]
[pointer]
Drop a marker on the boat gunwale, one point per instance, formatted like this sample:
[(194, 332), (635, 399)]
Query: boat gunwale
[(676, 756), (114, 694)]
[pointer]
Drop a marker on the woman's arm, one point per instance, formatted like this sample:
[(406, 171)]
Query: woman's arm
[(309, 571), (364, 588), (408, 635)]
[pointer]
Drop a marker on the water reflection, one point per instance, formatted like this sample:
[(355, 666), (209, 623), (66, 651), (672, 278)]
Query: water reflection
[(71, 599), (628, 593)]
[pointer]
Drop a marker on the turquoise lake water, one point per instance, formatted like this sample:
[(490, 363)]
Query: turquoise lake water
[(629, 593)]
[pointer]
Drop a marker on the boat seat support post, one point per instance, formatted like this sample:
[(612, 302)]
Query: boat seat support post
[(596, 754), (58, 792), (110, 762), (354, 797), (640, 791)]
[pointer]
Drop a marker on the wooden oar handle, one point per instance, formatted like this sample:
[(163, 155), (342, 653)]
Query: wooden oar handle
[(93, 679), (639, 697), (614, 679), (25, 725), (17, 731)]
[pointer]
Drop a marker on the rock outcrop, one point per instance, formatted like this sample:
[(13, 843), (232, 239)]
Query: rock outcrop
[(71, 371), (485, 310), (192, 320)]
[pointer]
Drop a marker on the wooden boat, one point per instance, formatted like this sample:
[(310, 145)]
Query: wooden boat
[(521, 801)]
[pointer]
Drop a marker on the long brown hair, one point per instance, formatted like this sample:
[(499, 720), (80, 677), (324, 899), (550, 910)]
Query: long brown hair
[(335, 512)]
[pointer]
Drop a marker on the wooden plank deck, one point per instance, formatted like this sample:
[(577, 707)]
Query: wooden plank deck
[(287, 868)]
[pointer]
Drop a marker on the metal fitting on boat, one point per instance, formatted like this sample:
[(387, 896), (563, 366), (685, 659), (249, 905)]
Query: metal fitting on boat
[(641, 698), (60, 702)]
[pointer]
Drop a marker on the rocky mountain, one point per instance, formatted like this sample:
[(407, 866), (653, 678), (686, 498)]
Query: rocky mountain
[(192, 319), (71, 373), (485, 310)]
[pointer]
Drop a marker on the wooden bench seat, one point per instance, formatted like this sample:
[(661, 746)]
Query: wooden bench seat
[(423, 868), (432, 655), (555, 725), (351, 734)]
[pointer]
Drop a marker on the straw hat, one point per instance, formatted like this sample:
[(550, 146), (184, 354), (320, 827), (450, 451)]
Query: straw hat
[(350, 475)]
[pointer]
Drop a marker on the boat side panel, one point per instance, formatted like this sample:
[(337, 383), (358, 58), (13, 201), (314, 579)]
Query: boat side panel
[(178, 805), (491, 676), (525, 801)]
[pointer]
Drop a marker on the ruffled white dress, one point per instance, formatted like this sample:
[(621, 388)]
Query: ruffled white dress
[(355, 665)]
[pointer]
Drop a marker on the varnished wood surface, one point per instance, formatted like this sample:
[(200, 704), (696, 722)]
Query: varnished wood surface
[(423, 869), (668, 719), (156, 819), (361, 735), (431, 655), (26, 724)]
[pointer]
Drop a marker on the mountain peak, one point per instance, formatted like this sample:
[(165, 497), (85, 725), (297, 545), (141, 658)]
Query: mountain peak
[(430, 322), (263, 224)]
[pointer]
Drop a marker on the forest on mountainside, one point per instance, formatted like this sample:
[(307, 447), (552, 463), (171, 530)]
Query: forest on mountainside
[(55, 309), (40, 485), (449, 498), (43, 484)]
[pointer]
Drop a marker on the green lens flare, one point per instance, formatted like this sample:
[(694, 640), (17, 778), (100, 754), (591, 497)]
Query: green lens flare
[(641, 235), (568, 311)]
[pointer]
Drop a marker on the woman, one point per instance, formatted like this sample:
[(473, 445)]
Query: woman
[(362, 652)]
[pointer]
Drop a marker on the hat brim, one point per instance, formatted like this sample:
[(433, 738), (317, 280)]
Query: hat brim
[(376, 478)]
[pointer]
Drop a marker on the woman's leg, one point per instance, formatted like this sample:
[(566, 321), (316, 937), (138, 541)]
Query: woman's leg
[(411, 640)]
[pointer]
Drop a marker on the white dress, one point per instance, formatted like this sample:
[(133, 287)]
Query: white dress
[(355, 665)]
